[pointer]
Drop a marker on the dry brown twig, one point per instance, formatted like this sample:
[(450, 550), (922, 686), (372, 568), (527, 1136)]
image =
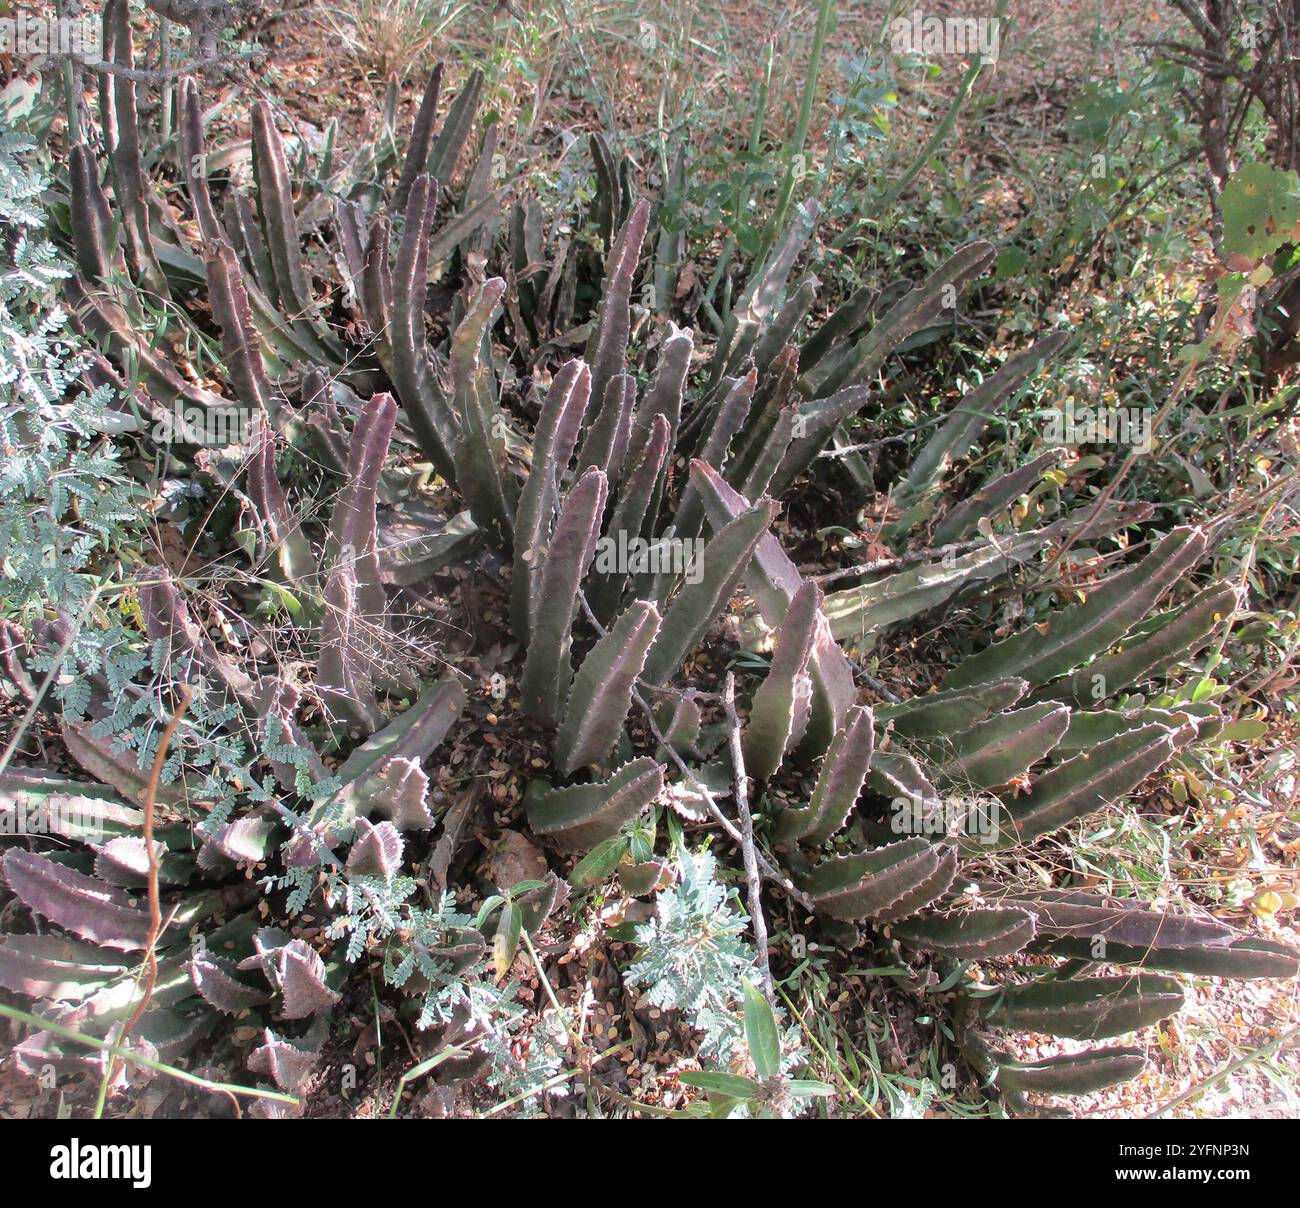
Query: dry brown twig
[(150, 971), (753, 882), (768, 869)]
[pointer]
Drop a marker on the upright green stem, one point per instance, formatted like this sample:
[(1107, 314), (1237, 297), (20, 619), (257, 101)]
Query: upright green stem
[(945, 127), (741, 198), (935, 141), (71, 77), (230, 1089), (794, 148), (168, 85)]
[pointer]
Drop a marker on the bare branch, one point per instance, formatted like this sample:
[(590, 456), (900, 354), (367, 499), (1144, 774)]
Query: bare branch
[(152, 75), (754, 885)]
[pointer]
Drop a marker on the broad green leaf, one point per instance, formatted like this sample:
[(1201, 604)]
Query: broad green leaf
[(1261, 205), (506, 940), (1247, 729), (762, 1034), (599, 863), (800, 1087), (717, 1083)]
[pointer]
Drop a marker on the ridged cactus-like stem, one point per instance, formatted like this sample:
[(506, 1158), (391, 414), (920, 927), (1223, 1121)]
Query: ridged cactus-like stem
[(881, 884), (376, 293), (455, 130), (772, 398), (917, 308), (344, 674), (698, 605), (425, 401), (556, 433), (611, 197), (279, 222), (993, 497), (1091, 727), (353, 232), (859, 614), (122, 130), (283, 530), (602, 689), (914, 497), (627, 522), (582, 815), (240, 347), (1087, 783), (782, 328), (664, 399), (547, 671), (843, 773), (728, 422), (79, 903), (1075, 923), (1070, 1074), (752, 315), (843, 323), (289, 281), (779, 713), (994, 752), (353, 532), (898, 777), (168, 619), (934, 714), (479, 183), (774, 579), (459, 227), (969, 934), (383, 773), (1075, 634), (680, 721), (762, 473), (120, 332), (1180, 636), (194, 163), (98, 256), (417, 150), (1088, 1008), (608, 437), (481, 470), (244, 233), (607, 348), (816, 423)]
